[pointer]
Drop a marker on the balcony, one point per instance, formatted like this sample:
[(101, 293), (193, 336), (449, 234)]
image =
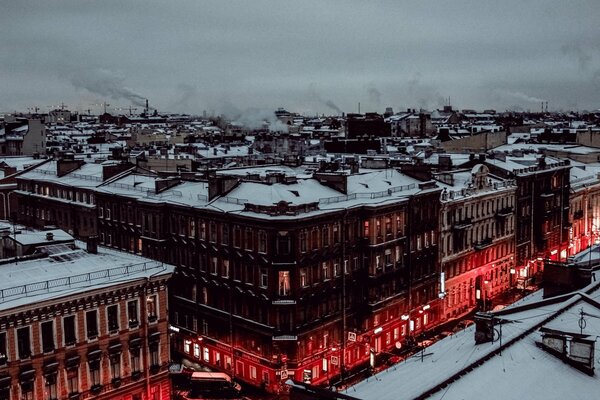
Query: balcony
[(463, 224), (504, 213), (482, 244)]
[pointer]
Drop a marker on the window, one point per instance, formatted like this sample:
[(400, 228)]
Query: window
[(252, 372), (206, 354), (283, 243), (135, 359), (73, 380), (101, 212), (94, 366), (152, 308), (47, 336), (249, 243), (213, 265), (69, 330), (3, 350), (154, 354), (23, 343), (27, 390), (284, 283), (262, 242), (196, 350), (237, 237), (132, 313), (225, 269), (107, 212), (303, 242), (264, 278), (51, 387), (366, 229), (91, 321), (115, 365), (112, 313), (325, 271), (325, 236), (303, 280), (213, 232), (225, 234)]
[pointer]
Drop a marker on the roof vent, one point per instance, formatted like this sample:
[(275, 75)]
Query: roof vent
[(49, 236)]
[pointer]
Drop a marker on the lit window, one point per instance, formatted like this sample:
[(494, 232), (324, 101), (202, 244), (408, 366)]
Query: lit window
[(284, 283)]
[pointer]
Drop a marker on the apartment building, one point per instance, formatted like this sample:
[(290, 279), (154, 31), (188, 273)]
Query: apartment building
[(77, 324)]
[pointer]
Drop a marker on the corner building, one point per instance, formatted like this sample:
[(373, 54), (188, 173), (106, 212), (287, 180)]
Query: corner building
[(285, 274)]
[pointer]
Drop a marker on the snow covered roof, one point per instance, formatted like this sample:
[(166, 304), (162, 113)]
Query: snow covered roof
[(70, 272), (86, 176), (457, 368), (28, 238)]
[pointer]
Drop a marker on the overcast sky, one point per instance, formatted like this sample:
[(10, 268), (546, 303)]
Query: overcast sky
[(307, 56)]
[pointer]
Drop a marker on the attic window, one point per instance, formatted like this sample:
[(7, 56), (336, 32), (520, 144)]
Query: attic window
[(295, 193)]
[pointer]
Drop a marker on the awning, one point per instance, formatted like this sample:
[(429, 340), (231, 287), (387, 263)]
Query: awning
[(94, 355), (72, 361), (115, 348)]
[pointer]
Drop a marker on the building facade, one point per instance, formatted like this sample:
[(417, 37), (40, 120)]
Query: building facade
[(96, 328), (477, 238)]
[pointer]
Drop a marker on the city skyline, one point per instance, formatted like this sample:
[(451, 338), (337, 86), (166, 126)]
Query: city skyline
[(310, 58)]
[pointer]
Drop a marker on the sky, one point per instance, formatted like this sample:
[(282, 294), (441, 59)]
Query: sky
[(226, 56)]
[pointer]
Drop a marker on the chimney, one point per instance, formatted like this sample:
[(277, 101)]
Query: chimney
[(92, 244), (220, 185), (49, 236), (67, 164)]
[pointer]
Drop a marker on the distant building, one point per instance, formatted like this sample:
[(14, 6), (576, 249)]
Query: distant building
[(22, 137), (59, 116), (369, 124)]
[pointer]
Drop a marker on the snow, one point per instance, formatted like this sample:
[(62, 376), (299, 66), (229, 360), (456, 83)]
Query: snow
[(520, 370), (24, 282), (40, 237)]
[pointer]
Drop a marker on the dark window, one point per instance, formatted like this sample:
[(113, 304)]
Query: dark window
[(132, 313), (115, 366), (94, 372), (47, 336), (113, 318), (23, 343), (154, 354), (69, 330), (283, 243), (73, 380), (3, 353), (51, 387), (91, 320), (135, 359)]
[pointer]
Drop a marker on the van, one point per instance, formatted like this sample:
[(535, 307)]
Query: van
[(212, 385)]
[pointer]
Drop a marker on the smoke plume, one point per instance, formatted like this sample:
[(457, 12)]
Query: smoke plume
[(328, 103), (106, 83), (518, 95), (253, 118)]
